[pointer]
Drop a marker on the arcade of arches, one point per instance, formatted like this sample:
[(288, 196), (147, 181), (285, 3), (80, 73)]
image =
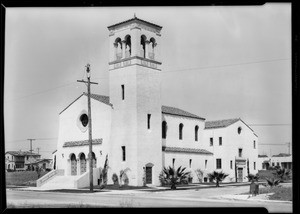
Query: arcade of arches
[(79, 165)]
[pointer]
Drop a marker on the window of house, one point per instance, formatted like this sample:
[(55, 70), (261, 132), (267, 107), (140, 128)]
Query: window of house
[(240, 153), (148, 120), (173, 162), (196, 133), (219, 163), (220, 141), (180, 131), (254, 146), (190, 163), (231, 164), (211, 140), (205, 164), (123, 153), (123, 92), (254, 165), (164, 129), (273, 164)]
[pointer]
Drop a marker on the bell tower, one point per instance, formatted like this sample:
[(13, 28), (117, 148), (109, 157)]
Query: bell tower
[(134, 88)]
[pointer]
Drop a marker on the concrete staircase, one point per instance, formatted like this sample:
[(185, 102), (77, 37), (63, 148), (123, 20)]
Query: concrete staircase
[(60, 182)]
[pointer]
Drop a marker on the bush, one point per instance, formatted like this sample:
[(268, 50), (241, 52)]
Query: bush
[(199, 174), (115, 179), (161, 178)]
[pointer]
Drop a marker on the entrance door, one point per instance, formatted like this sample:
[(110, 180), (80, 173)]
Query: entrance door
[(82, 163), (148, 175), (73, 165), (240, 175)]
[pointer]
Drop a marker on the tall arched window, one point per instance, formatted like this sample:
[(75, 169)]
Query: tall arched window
[(94, 162), (143, 46), (127, 46), (164, 129), (180, 131), (196, 133)]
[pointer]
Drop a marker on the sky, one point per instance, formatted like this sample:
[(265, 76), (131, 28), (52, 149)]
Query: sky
[(217, 62)]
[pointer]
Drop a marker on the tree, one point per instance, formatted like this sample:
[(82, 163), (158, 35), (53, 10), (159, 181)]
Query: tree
[(124, 177), (273, 181), (282, 173), (252, 178), (103, 174), (173, 177), (217, 176)]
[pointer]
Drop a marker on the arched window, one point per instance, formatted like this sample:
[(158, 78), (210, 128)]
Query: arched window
[(118, 48), (127, 46), (151, 48), (180, 131), (143, 46), (82, 163), (164, 129), (196, 133)]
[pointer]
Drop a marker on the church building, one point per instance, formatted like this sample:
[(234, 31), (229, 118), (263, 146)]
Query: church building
[(131, 126)]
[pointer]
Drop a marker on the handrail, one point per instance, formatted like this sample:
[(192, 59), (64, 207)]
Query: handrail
[(49, 175)]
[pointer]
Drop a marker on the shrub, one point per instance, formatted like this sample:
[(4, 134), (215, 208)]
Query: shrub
[(199, 174), (115, 179), (173, 177), (217, 176)]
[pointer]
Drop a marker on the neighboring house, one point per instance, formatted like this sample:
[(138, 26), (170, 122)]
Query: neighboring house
[(235, 148), (136, 131), (16, 160), (264, 162), (40, 163), (283, 160)]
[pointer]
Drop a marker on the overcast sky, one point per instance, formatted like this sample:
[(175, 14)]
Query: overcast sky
[(218, 62)]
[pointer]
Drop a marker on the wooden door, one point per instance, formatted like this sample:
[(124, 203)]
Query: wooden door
[(240, 175), (82, 164), (73, 165), (148, 175)]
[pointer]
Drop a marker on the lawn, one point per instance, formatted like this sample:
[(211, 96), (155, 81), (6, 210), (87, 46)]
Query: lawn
[(24, 178), (280, 193)]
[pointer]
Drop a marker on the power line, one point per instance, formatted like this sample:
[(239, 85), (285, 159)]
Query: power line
[(187, 69), (271, 124)]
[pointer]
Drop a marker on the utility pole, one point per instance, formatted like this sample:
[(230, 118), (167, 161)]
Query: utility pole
[(31, 144), (38, 149), (90, 123)]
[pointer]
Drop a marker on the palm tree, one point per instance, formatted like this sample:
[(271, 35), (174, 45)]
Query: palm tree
[(282, 173), (123, 176), (252, 177), (173, 177), (217, 176), (103, 174), (273, 181)]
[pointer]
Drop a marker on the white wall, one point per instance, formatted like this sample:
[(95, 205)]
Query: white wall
[(228, 151)]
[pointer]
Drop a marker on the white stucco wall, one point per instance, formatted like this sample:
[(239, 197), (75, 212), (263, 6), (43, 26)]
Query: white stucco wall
[(228, 151), (69, 131)]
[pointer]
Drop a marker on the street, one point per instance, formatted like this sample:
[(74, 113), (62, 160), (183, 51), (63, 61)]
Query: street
[(177, 198)]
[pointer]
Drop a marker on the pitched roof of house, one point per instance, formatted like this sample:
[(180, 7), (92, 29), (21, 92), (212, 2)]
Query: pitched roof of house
[(282, 155), (82, 143), (220, 123), (185, 150), (133, 19), (178, 112), (21, 153), (38, 161)]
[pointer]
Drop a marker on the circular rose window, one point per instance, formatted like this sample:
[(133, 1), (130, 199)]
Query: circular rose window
[(239, 130), (83, 121)]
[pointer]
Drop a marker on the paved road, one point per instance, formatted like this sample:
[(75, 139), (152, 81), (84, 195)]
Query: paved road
[(178, 198)]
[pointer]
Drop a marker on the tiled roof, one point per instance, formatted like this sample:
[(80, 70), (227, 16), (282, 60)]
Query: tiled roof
[(82, 143), (133, 19), (101, 98), (178, 112), (220, 123), (21, 153), (262, 156), (282, 155), (38, 161), (186, 150)]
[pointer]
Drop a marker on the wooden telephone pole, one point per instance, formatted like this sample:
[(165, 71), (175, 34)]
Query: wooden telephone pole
[(31, 144), (90, 123)]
